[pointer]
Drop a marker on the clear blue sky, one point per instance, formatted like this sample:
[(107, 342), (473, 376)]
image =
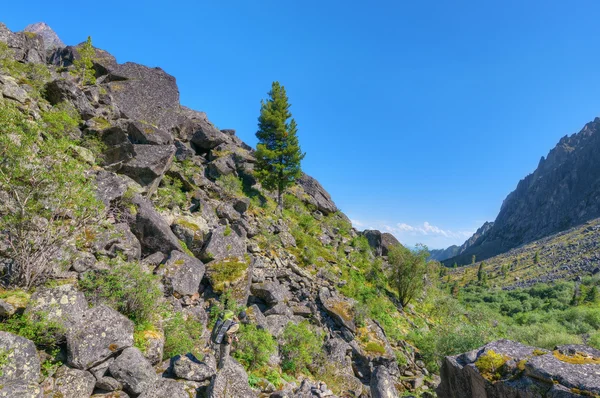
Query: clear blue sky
[(416, 115)]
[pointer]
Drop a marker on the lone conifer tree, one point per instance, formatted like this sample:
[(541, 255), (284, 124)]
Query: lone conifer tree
[(278, 153)]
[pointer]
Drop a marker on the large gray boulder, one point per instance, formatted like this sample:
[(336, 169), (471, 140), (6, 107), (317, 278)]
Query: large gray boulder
[(383, 384), (110, 186), (181, 274), (100, 334), (151, 229), (73, 383), (146, 94), (22, 365), (271, 293), (340, 308), (316, 194), (20, 390), (224, 242), (61, 90), (115, 241), (146, 133), (387, 242), (521, 371), (66, 56), (206, 135), (163, 388), (62, 304), (188, 367), (374, 238), (231, 381), (148, 164), (133, 371)]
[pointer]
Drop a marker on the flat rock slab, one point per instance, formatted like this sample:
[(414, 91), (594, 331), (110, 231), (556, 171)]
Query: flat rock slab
[(73, 383)]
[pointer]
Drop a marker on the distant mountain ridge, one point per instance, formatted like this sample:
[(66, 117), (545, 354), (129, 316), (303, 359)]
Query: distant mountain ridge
[(563, 192), (454, 250)]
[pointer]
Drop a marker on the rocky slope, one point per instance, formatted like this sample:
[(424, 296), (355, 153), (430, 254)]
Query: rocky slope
[(561, 193), (568, 255), (181, 231)]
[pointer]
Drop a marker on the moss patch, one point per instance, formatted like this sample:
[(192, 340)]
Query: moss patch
[(579, 358), (224, 272), (490, 365)]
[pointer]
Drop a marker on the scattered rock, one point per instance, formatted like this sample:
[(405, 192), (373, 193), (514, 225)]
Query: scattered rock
[(133, 371), (73, 383)]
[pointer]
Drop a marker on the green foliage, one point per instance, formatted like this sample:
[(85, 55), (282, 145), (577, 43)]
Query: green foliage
[(232, 186), (61, 119), (536, 258), (407, 271), (46, 334), (227, 270), (278, 153), (84, 66), (125, 287), (490, 365), (375, 348), (170, 194), (254, 346), (301, 346), (50, 198), (182, 336)]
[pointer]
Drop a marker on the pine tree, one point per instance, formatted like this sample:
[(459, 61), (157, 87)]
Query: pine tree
[(84, 66), (536, 258), (278, 153)]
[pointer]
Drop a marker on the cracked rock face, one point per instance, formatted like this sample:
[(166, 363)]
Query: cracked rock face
[(100, 334), (569, 371), (22, 363)]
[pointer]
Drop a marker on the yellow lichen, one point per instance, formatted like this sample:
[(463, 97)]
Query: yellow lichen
[(490, 365), (579, 358)]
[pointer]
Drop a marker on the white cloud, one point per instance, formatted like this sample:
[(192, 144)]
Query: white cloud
[(357, 223)]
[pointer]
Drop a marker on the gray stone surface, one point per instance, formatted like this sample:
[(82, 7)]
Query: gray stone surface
[(163, 388), (188, 367), (133, 371), (100, 334), (73, 383), (151, 229), (231, 381), (22, 363), (181, 274)]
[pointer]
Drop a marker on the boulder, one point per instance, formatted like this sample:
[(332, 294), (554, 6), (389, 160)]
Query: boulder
[(374, 238), (271, 293), (206, 136), (162, 388), (73, 383), (133, 371), (61, 90), (155, 345), (188, 367), (224, 242), (100, 334), (145, 133), (107, 383), (231, 381), (383, 384), (22, 364), (387, 242), (151, 229), (524, 371), (118, 240), (191, 230), (316, 194), (111, 394), (145, 94), (148, 164), (11, 90), (6, 309), (181, 274), (20, 390), (62, 304), (110, 186), (340, 308), (231, 275)]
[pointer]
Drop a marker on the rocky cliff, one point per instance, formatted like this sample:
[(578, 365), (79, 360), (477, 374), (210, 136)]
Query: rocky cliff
[(508, 369), (180, 230), (452, 251), (561, 193)]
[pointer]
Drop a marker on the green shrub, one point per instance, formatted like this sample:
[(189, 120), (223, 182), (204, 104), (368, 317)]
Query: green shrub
[(43, 184), (61, 119), (374, 347), (232, 186), (254, 347), (182, 336), (227, 270), (46, 334), (490, 364), (170, 194), (126, 288), (300, 348)]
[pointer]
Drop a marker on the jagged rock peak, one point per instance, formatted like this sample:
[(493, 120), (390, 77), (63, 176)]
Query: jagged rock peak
[(51, 39)]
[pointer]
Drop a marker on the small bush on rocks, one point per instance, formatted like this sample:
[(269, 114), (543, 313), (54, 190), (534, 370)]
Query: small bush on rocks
[(301, 347), (254, 347), (182, 336)]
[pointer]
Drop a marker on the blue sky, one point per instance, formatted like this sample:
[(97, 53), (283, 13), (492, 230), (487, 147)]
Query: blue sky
[(418, 117)]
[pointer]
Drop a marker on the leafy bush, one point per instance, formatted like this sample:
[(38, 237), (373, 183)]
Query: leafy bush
[(232, 186), (300, 348), (170, 194), (126, 288), (182, 336), (254, 347), (490, 364), (49, 198), (46, 334), (227, 270), (61, 119)]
